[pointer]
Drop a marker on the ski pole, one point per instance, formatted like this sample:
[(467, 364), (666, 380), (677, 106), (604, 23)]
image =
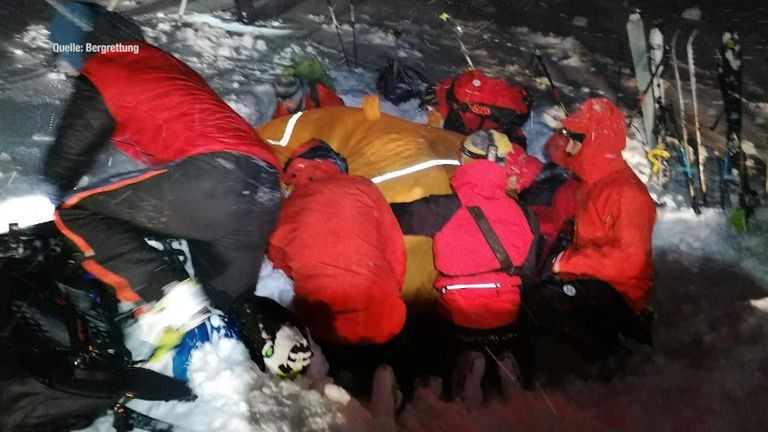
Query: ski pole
[(717, 120), (338, 33), (553, 88), (458, 31), (354, 31)]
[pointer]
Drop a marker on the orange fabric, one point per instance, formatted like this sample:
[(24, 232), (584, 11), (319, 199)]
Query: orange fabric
[(614, 214), (339, 241), (374, 147), (325, 96)]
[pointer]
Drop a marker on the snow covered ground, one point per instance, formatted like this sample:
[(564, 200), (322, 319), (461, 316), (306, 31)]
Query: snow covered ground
[(709, 368)]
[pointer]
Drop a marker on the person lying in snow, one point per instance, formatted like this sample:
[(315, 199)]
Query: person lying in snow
[(485, 243), (340, 243), (474, 101), (304, 86), (209, 172), (604, 279)]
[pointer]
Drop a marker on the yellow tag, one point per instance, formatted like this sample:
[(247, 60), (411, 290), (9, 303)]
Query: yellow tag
[(444, 16)]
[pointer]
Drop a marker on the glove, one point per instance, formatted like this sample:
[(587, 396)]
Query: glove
[(551, 268)]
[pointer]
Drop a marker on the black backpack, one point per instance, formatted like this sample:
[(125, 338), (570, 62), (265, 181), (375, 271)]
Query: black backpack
[(399, 83), (62, 358)]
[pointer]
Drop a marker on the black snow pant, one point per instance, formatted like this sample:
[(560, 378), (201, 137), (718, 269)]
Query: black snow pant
[(587, 313), (224, 204)]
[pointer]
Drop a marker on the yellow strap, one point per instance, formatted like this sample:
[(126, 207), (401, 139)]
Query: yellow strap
[(654, 156)]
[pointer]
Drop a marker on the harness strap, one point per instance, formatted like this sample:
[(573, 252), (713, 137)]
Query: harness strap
[(493, 240)]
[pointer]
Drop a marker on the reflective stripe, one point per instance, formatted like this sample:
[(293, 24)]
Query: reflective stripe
[(415, 168), (469, 286), (288, 130)]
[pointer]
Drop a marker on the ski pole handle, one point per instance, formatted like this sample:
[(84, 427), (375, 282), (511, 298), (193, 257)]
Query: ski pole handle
[(553, 88)]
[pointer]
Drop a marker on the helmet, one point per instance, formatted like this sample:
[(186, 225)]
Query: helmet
[(480, 143), (287, 86)]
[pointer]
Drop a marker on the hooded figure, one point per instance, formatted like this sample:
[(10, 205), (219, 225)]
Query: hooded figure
[(614, 212), (303, 86), (606, 274), (206, 172), (338, 240), (476, 290)]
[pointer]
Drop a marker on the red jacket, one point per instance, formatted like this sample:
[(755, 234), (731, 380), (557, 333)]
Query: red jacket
[(614, 214), (165, 111), (325, 98), (339, 241), (473, 94), (552, 217), (473, 293)]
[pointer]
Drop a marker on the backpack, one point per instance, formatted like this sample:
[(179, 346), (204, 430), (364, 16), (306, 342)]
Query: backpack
[(401, 83), (474, 101), (63, 361)]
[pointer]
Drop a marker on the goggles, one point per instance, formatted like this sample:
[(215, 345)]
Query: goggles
[(576, 136)]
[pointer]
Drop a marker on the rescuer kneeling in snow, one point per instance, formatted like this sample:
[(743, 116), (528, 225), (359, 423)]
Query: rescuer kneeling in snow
[(601, 283), (211, 181), (484, 248)]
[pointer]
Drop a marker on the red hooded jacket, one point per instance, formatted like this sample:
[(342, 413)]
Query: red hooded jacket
[(473, 292), (325, 98), (339, 241), (614, 213), (165, 111)]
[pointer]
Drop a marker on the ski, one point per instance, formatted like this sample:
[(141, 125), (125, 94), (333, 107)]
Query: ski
[(658, 61), (734, 175), (696, 124), (658, 155), (639, 50), (683, 133)]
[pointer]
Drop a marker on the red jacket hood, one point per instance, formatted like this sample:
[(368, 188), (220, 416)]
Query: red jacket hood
[(606, 135), (479, 180)]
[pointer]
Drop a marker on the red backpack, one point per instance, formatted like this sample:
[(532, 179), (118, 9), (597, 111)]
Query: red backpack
[(474, 101)]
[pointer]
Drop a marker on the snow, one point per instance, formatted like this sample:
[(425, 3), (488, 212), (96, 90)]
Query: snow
[(707, 370)]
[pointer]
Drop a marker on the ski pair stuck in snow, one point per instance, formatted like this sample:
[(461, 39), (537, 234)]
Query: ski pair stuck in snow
[(659, 127)]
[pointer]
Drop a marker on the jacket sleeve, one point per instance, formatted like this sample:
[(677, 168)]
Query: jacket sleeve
[(85, 128), (425, 216), (629, 250)]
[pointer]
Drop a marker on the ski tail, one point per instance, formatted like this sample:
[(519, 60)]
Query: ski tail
[(682, 134), (696, 125)]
